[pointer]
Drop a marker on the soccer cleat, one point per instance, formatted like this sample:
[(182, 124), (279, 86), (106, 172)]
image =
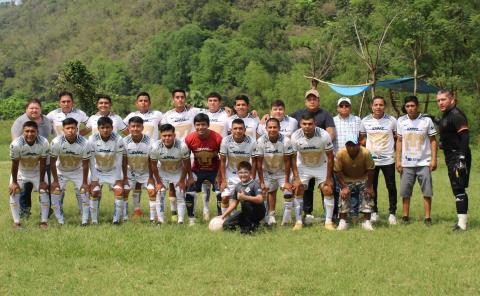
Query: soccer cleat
[(375, 217), (206, 216), (137, 213), (298, 225), (367, 225), (116, 223), (330, 226), (405, 220), (428, 221), (392, 220), (271, 220), (83, 225), (43, 225), (457, 228), (174, 218), (309, 219), (191, 221), (342, 225), (18, 226)]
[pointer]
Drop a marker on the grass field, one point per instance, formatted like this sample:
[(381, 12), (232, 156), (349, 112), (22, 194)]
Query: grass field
[(136, 258)]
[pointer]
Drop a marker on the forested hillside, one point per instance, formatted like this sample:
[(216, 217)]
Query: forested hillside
[(261, 48)]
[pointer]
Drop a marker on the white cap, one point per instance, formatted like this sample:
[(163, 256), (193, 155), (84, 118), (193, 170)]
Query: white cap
[(343, 99)]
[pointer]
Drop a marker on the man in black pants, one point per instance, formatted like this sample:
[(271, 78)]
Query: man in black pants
[(454, 140), (324, 120)]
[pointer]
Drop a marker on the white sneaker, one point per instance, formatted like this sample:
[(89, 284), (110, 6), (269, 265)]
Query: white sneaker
[(342, 225), (309, 219), (392, 220), (375, 217), (271, 220), (191, 221), (367, 225)]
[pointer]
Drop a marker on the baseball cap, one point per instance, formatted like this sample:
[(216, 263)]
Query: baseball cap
[(352, 138), (312, 92), (343, 99)]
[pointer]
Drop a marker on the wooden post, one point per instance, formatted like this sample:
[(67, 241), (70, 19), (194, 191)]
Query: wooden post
[(426, 103)]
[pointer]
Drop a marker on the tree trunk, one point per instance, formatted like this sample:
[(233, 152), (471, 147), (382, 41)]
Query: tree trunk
[(360, 110), (427, 100), (415, 76), (393, 102)]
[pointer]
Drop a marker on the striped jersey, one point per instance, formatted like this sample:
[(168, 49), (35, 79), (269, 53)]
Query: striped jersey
[(70, 155)]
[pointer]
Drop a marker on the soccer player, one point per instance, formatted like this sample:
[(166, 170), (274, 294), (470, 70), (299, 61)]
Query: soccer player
[(378, 132), (104, 104), (313, 158), (67, 110), (139, 174), (273, 153), (242, 103), (234, 149), (249, 194), (205, 146), (71, 153), (28, 154), (170, 163), (454, 139), (107, 167), (354, 168), (287, 124)]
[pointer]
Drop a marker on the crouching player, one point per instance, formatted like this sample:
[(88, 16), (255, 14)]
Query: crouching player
[(137, 151), (173, 158), (249, 194), (273, 154), (313, 151), (28, 154), (355, 168), (106, 167), (70, 158)]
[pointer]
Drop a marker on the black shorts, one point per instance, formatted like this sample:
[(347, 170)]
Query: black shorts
[(458, 182), (204, 177)]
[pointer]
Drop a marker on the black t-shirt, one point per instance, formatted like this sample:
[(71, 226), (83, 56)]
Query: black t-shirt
[(250, 188), (451, 123), (323, 119)]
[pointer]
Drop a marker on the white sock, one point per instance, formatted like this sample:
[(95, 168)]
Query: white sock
[(329, 203), (44, 206), (15, 207), (206, 188), (160, 206), (79, 200), (85, 207), (462, 221), (181, 206), (298, 205), (287, 211), (153, 209), (119, 205), (136, 198), (125, 210), (173, 203), (57, 208), (94, 203)]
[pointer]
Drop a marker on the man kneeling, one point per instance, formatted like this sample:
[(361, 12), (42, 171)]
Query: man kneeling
[(354, 168), (249, 194)]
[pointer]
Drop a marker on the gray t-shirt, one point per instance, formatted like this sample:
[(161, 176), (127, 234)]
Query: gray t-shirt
[(44, 128), (250, 188)]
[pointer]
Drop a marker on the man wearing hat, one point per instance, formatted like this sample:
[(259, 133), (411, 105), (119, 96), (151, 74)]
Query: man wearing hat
[(324, 120), (354, 169)]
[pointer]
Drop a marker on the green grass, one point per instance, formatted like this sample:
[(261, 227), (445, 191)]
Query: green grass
[(136, 258)]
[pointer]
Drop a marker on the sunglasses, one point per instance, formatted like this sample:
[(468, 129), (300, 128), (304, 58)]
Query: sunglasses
[(344, 106)]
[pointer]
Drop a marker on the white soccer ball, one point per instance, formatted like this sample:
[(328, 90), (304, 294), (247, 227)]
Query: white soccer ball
[(216, 224)]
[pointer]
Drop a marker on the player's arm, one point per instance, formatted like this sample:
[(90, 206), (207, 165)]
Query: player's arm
[(370, 175), (254, 166), (296, 177), (222, 172), (186, 171), (434, 149), (363, 139), (43, 168), (150, 172), (124, 169), (53, 170), (158, 180), (258, 199), (85, 170), (345, 190), (259, 161), (329, 180), (287, 159), (331, 131), (85, 131), (398, 151), (232, 206), (14, 185)]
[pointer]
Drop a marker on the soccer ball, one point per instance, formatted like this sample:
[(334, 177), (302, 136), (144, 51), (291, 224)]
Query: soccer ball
[(216, 224)]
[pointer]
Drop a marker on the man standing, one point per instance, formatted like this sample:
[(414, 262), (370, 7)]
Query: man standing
[(288, 124), (323, 120), (454, 139), (378, 131), (242, 103), (67, 110), (104, 105)]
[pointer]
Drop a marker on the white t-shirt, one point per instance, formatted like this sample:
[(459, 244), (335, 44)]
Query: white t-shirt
[(416, 149), (181, 121), (311, 157), (287, 126), (70, 155), (273, 154), (380, 140), (29, 156), (56, 117), (170, 159), (151, 122), (107, 155), (118, 124), (236, 153), (251, 124), (137, 154), (218, 121)]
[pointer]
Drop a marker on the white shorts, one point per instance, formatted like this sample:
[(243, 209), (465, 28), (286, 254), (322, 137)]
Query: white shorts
[(109, 178), (274, 182), (22, 179), (319, 174), (133, 179), (231, 184), (75, 176), (169, 178)]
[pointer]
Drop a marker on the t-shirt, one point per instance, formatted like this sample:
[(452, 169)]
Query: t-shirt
[(151, 121), (29, 155), (182, 121), (236, 153), (250, 188), (218, 121), (118, 124), (70, 155), (273, 154), (44, 128), (354, 169), (323, 119), (311, 155), (251, 124), (287, 126), (380, 140), (452, 121), (345, 127), (416, 149), (107, 155), (137, 154), (57, 116), (170, 159), (205, 151)]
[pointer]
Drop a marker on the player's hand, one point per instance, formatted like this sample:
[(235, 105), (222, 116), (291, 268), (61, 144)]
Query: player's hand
[(254, 113), (159, 186), (264, 187), (264, 118), (241, 195), (223, 185), (328, 183), (345, 192), (433, 165), (13, 188), (228, 110), (181, 185), (93, 184), (370, 191), (287, 187), (190, 182), (85, 187), (43, 186), (399, 167), (54, 186), (297, 183)]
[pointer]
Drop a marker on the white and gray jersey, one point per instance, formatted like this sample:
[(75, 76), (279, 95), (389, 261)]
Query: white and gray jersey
[(70, 155), (170, 159), (236, 153), (380, 138), (218, 121), (181, 121), (288, 125), (29, 155), (151, 122), (118, 124), (273, 154), (310, 152), (107, 155), (57, 116), (137, 154), (251, 124), (415, 134)]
